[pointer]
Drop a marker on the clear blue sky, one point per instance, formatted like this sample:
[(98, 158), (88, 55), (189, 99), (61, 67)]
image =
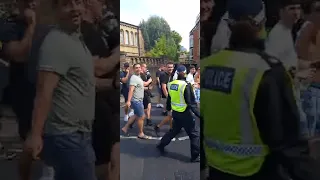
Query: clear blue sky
[(180, 14)]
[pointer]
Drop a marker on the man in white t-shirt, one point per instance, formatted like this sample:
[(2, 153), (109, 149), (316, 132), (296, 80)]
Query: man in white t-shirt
[(280, 41), (190, 78)]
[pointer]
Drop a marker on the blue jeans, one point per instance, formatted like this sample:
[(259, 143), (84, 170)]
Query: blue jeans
[(138, 108), (310, 102), (71, 156)]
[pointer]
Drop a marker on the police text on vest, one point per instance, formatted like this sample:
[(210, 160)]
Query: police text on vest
[(218, 78)]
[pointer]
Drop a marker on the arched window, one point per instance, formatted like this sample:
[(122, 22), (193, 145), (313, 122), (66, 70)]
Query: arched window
[(121, 37), (132, 39), (136, 39), (126, 38)]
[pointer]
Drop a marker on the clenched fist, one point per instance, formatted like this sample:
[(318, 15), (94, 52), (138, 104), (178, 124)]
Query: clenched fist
[(30, 16)]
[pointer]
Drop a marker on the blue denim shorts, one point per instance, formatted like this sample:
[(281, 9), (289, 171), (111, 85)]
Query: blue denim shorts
[(310, 101), (138, 108), (197, 94), (71, 156)]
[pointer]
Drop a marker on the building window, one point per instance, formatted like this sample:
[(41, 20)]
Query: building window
[(191, 53), (121, 37), (136, 39), (191, 41), (126, 38), (132, 38)]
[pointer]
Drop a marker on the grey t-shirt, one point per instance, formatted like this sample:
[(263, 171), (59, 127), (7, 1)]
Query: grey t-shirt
[(73, 100), (138, 92)]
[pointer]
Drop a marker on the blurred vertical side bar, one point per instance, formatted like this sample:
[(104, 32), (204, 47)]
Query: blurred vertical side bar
[(211, 12), (111, 30)]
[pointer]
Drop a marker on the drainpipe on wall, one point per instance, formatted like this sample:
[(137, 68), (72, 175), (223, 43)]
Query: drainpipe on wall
[(138, 38)]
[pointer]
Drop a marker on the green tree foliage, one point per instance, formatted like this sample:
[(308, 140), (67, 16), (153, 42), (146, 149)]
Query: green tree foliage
[(164, 47), (153, 29), (177, 38), (159, 40)]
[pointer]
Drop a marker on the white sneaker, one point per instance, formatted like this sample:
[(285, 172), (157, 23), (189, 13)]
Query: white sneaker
[(47, 173), (131, 113), (125, 118), (158, 105)]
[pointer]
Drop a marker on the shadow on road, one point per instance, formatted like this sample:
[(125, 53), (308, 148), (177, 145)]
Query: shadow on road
[(138, 148), (177, 156)]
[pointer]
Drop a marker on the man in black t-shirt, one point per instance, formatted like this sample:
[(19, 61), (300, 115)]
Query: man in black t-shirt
[(165, 78), (158, 74), (105, 137), (145, 76)]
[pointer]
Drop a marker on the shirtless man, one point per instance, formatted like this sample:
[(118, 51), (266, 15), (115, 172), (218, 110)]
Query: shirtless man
[(307, 46)]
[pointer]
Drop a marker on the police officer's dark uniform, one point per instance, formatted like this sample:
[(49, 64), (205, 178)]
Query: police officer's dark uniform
[(181, 101)]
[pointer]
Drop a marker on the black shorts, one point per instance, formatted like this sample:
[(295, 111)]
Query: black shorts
[(146, 100), (105, 127), (125, 93), (22, 106)]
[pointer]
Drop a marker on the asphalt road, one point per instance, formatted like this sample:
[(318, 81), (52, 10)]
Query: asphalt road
[(140, 159), (9, 138)]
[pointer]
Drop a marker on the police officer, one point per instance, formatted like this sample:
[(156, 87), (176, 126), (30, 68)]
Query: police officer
[(181, 100), (250, 120)]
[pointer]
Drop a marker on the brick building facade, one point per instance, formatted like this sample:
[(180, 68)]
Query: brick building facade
[(131, 40), (194, 49)]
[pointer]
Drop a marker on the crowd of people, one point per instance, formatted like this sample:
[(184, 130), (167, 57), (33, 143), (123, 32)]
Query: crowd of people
[(136, 89), (163, 76), (298, 30), (276, 71), (62, 87)]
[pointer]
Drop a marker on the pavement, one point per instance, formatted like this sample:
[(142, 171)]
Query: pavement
[(10, 139), (140, 160)]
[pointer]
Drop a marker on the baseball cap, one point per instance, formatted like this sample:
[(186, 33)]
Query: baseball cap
[(126, 65), (244, 8), (181, 69)]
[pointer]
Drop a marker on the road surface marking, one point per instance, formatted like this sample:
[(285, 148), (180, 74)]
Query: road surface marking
[(16, 150), (155, 138), (183, 138)]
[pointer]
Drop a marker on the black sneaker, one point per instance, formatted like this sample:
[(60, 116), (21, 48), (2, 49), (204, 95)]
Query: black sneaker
[(161, 150), (196, 159), (148, 122), (157, 130), (165, 113)]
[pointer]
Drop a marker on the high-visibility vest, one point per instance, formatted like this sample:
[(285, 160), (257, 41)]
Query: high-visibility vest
[(231, 136), (176, 91)]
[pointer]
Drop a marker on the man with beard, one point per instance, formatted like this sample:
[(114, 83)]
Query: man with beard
[(104, 47), (20, 40), (63, 111), (165, 78)]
